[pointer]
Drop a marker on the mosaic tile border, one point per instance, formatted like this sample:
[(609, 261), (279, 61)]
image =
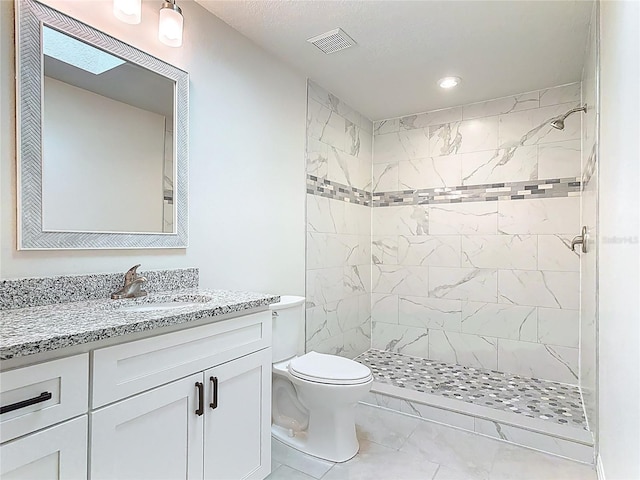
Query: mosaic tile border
[(35, 292), (337, 191), (534, 398), (488, 192)]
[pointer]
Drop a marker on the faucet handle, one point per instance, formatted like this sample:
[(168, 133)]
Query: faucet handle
[(131, 274), (580, 240)]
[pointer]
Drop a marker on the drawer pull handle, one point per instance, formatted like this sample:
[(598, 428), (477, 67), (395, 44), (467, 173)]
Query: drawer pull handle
[(214, 395), (43, 397), (200, 387)]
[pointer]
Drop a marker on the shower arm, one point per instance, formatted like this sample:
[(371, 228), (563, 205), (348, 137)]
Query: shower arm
[(583, 108)]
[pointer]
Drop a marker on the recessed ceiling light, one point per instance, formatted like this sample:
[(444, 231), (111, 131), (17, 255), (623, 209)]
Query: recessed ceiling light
[(449, 82)]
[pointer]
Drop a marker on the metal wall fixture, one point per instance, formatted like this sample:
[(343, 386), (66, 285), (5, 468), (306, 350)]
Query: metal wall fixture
[(580, 240), (170, 25), (558, 122)]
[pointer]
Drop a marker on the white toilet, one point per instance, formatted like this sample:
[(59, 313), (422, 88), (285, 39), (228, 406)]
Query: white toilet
[(314, 395)]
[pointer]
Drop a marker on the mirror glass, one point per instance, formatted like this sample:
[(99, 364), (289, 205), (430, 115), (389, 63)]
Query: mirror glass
[(107, 141), (102, 139)]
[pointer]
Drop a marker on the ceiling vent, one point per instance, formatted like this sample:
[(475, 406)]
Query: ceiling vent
[(332, 41)]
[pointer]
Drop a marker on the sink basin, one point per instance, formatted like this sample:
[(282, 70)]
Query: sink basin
[(157, 302), (151, 307)]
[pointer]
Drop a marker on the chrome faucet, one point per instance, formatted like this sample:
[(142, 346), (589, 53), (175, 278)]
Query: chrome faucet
[(132, 285)]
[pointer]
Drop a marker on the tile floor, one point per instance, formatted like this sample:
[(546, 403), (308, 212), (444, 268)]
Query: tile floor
[(535, 398), (398, 447)]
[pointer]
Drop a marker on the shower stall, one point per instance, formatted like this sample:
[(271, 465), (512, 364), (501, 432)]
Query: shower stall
[(440, 253)]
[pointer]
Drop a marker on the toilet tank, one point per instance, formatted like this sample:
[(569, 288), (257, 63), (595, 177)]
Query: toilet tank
[(288, 327)]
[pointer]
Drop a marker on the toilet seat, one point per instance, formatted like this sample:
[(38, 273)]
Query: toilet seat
[(330, 369)]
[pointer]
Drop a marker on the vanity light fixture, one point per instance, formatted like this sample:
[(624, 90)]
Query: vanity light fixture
[(449, 82), (128, 11), (171, 23)]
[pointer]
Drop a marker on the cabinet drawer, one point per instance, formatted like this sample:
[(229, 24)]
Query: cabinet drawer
[(58, 452), (41, 395), (124, 370)]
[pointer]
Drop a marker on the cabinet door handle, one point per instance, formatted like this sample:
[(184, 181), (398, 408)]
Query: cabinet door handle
[(43, 397), (214, 393), (200, 387)]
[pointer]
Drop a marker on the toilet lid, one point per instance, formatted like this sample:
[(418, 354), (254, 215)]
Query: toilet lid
[(322, 368)]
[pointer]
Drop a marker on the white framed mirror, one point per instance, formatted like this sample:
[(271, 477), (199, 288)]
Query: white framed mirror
[(102, 141)]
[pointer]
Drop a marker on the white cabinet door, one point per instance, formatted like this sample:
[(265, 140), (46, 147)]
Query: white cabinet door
[(58, 452), (155, 435), (237, 432)]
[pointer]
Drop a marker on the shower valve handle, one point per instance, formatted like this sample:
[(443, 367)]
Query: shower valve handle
[(580, 240)]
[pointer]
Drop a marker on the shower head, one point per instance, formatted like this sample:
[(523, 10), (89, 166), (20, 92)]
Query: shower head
[(558, 122)]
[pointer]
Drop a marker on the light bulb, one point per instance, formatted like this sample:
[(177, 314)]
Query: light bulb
[(171, 24), (128, 11)]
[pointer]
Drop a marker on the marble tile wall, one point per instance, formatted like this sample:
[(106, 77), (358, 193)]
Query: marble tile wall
[(338, 159), (588, 281), (490, 284)]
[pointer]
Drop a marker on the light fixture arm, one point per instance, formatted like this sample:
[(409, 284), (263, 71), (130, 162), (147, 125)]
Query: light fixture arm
[(172, 5)]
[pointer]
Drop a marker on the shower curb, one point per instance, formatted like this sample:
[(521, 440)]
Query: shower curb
[(564, 441)]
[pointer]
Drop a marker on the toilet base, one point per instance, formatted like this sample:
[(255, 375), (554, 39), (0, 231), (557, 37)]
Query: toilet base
[(299, 441), (316, 418)]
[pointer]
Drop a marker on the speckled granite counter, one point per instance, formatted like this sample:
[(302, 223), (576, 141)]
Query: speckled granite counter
[(27, 331)]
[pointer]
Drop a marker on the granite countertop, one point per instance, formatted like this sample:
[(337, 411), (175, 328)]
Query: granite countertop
[(26, 331)]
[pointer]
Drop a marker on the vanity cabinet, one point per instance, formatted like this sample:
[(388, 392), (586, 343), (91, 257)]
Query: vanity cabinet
[(191, 404), (211, 425)]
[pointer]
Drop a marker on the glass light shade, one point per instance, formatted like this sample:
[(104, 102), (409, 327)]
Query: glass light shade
[(128, 11), (170, 27)]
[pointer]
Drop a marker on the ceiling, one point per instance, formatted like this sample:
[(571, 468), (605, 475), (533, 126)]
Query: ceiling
[(497, 47), (142, 88)]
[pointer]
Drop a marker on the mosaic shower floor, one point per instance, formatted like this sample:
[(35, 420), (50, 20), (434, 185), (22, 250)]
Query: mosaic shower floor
[(531, 397)]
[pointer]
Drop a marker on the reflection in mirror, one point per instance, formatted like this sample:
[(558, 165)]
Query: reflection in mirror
[(102, 139), (107, 139)]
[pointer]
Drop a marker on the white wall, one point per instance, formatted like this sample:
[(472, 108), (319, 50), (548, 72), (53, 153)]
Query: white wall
[(100, 155), (247, 134), (619, 318)]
